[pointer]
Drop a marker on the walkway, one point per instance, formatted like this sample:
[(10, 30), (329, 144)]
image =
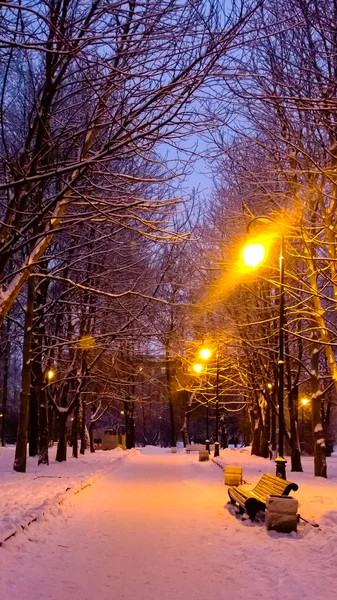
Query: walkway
[(156, 529)]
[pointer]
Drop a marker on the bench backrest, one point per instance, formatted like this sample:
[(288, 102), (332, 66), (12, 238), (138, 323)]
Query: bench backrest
[(271, 485)]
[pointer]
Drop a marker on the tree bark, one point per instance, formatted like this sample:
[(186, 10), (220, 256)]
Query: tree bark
[(21, 444), (296, 464), (129, 424), (83, 428), (44, 429), (328, 431), (91, 437), (168, 364), (61, 454), (256, 430), (39, 379), (185, 430), (319, 441), (75, 430), (33, 419), (5, 383)]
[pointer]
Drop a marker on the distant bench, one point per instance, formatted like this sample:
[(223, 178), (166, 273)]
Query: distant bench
[(254, 500), (198, 447)]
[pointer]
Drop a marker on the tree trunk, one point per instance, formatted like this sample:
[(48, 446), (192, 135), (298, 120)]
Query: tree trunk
[(246, 427), (83, 428), (33, 420), (5, 383), (223, 433), (61, 454), (91, 437), (264, 443), (44, 430), (39, 380), (296, 465), (185, 430), (328, 431), (264, 424), (75, 430), (21, 444), (256, 431), (169, 396), (319, 441), (129, 424)]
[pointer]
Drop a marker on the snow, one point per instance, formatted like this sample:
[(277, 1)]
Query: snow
[(157, 525), (25, 496)]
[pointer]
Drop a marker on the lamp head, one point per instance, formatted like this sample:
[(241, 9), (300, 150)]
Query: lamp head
[(205, 353), (253, 255)]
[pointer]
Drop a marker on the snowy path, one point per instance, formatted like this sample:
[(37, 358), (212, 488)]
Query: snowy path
[(156, 528)]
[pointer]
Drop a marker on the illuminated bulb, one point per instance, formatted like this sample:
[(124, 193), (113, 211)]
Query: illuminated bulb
[(253, 255), (50, 374), (305, 401), (269, 386), (197, 368), (205, 353)]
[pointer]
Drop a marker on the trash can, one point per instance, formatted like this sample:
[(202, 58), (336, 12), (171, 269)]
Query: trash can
[(281, 513), (233, 475)]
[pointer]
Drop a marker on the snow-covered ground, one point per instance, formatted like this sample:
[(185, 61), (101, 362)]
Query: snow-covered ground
[(25, 496), (157, 525)]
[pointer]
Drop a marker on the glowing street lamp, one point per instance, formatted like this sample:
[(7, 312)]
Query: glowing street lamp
[(253, 255), (50, 374), (205, 353), (198, 368)]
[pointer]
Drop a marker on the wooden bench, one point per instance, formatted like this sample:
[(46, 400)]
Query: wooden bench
[(198, 447), (254, 500)]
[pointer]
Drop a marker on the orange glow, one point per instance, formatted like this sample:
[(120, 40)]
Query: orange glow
[(253, 255), (205, 353), (304, 401), (50, 374), (197, 368)]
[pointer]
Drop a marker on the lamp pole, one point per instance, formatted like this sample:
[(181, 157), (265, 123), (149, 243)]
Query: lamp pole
[(253, 255), (280, 460), (207, 442), (216, 444), (205, 354)]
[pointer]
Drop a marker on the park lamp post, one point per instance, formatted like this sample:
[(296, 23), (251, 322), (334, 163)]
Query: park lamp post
[(253, 254), (204, 354), (217, 443)]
